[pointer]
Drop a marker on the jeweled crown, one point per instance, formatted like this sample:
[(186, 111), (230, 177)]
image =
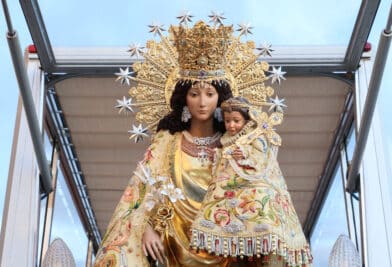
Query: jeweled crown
[(201, 50)]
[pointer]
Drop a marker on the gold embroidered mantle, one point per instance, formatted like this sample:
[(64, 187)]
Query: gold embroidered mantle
[(247, 210)]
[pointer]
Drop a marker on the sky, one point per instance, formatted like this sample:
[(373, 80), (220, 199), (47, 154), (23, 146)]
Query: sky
[(106, 23)]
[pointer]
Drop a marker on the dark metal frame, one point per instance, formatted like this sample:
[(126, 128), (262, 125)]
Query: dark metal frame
[(49, 64)]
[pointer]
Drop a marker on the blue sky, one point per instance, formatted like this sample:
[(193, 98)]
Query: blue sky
[(105, 23)]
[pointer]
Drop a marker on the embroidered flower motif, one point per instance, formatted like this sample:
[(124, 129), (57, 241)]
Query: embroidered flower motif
[(229, 194), (249, 202), (285, 204), (278, 198), (282, 203), (232, 203), (130, 194), (173, 193), (148, 155), (120, 240), (222, 217)]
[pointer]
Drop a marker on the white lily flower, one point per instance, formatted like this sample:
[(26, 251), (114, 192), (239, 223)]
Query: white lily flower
[(161, 179), (150, 204), (145, 176), (171, 192)]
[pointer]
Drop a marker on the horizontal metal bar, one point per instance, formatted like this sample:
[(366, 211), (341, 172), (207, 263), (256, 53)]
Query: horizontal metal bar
[(107, 60)]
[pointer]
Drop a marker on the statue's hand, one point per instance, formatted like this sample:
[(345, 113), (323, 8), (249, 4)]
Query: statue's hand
[(237, 154), (152, 244)]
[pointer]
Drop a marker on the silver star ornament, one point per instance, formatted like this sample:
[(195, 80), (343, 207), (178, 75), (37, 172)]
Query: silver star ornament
[(277, 104), (135, 50), (216, 18), (185, 17), (138, 132), (265, 49), (156, 28), (124, 105), (124, 76), (276, 75), (244, 29)]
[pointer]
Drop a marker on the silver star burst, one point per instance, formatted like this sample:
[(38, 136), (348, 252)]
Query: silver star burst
[(265, 49), (216, 18), (135, 50), (138, 132), (277, 104), (244, 29), (276, 75), (156, 28), (124, 76), (185, 17), (124, 105)]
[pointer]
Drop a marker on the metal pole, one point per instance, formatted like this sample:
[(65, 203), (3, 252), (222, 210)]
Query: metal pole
[(370, 103), (28, 103), (89, 261)]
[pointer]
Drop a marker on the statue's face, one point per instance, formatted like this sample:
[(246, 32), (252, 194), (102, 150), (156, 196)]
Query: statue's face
[(202, 99), (234, 121)]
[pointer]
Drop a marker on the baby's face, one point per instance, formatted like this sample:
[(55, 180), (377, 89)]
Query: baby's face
[(234, 121)]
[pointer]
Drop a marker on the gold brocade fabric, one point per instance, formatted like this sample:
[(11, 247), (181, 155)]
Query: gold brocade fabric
[(192, 177), (121, 245)]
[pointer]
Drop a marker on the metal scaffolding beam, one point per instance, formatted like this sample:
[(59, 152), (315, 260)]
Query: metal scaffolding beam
[(28, 103), (370, 103)]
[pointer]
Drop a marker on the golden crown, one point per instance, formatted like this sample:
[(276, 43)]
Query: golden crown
[(201, 50), (201, 53)]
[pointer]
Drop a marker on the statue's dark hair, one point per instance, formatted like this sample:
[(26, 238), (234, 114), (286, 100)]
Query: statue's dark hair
[(242, 110), (172, 121)]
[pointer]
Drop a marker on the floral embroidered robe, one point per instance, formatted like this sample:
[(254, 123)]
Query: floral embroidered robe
[(165, 169), (247, 211)]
